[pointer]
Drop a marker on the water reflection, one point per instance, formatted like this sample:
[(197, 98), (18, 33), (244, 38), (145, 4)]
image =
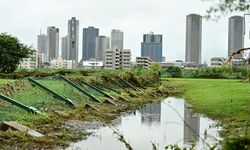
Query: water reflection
[(151, 114), (161, 123), (191, 125)]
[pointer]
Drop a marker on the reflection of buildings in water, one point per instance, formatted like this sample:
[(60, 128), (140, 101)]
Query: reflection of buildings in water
[(191, 125), (151, 114)]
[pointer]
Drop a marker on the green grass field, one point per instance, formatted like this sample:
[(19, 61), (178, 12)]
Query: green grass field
[(4, 81), (225, 100), (220, 98)]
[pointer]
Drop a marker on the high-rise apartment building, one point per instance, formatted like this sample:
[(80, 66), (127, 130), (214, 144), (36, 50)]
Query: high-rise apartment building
[(73, 39), (64, 47), (102, 44), (152, 46), (116, 39), (235, 35), (52, 43), (42, 45), (89, 42), (193, 38)]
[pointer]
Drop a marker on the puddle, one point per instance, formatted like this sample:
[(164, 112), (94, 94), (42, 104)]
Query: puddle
[(168, 122)]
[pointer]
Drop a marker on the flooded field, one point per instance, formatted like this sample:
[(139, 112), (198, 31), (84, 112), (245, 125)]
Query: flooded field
[(161, 124)]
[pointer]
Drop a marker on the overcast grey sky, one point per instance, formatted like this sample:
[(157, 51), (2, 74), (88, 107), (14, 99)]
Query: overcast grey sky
[(25, 18)]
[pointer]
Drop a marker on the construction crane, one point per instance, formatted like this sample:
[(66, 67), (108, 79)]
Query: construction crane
[(238, 51)]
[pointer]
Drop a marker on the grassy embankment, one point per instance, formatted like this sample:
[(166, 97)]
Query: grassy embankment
[(55, 113), (225, 100), (4, 81)]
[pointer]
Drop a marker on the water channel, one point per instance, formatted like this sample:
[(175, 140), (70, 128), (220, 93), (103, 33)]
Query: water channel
[(168, 122)]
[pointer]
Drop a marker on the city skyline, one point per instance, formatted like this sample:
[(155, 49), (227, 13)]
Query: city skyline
[(133, 23), (91, 34)]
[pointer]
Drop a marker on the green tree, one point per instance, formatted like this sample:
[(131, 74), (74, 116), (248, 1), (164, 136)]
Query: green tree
[(223, 7), (12, 51), (155, 67), (174, 72)]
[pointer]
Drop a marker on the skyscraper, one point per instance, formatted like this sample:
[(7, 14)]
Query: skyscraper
[(116, 39), (73, 39), (64, 48), (102, 44), (42, 44), (89, 42), (235, 35), (152, 46), (193, 38), (52, 42)]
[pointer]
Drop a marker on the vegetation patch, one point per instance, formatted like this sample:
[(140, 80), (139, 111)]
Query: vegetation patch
[(225, 100), (209, 73), (61, 124)]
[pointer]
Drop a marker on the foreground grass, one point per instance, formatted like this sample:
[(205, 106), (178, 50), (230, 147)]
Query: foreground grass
[(55, 114), (4, 81), (225, 100)]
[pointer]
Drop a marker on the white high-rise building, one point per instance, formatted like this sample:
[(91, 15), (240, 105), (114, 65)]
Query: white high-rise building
[(235, 35), (102, 44), (116, 39), (193, 38), (73, 39), (52, 43)]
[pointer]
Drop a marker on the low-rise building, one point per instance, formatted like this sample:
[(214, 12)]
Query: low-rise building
[(144, 62), (29, 63), (60, 63), (238, 62), (116, 59), (217, 62), (181, 64), (92, 64)]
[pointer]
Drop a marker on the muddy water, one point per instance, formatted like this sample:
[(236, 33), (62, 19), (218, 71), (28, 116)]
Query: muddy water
[(168, 122)]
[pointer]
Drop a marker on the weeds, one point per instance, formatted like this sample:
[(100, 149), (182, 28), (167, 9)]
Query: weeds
[(121, 138)]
